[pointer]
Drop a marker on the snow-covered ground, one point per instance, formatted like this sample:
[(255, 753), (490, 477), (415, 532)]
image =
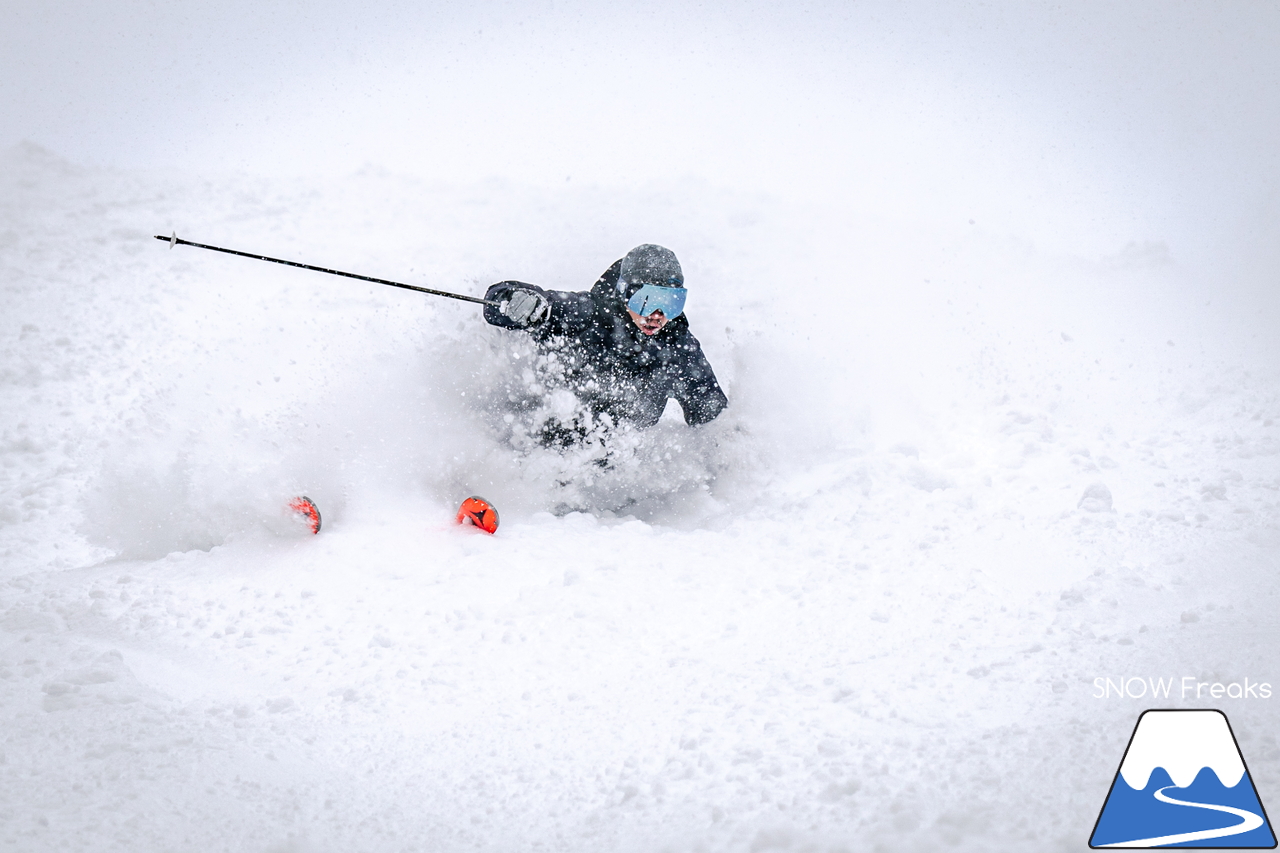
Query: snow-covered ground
[(994, 433), (866, 607)]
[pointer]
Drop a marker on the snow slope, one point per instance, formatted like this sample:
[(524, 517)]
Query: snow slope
[(960, 479)]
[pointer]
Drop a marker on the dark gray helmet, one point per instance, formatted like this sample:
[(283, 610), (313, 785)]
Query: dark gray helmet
[(649, 264)]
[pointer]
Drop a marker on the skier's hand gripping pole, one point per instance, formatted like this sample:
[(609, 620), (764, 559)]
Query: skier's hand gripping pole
[(174, 240), (526, 308)]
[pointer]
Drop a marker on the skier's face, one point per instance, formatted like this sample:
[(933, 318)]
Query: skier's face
[(650, 325)]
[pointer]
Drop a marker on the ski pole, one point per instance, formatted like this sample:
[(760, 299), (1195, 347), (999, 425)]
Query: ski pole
[(176, 241)]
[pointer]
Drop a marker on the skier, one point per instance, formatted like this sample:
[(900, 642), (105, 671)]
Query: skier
[(623, 348)]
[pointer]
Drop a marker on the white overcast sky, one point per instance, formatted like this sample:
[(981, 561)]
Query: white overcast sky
[(1112, 121)]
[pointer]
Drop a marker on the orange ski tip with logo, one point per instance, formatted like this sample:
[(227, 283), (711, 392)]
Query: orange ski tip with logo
[(478, 511), (307, 511)]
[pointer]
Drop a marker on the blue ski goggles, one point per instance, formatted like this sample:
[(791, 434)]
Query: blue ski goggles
[(657, 297)]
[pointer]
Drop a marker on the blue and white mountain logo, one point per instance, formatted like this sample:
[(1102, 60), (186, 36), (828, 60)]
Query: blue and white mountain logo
[(1183, 783)]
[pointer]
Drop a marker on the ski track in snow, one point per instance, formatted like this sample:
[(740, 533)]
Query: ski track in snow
[(840, 618)]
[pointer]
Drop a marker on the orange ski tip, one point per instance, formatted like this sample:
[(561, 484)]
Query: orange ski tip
[(478, 511), (307, 511)]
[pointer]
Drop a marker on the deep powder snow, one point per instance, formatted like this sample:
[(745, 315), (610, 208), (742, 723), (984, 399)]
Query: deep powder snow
[(959, 480)]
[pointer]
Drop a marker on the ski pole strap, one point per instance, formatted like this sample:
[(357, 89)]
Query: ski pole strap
[(174, 240)]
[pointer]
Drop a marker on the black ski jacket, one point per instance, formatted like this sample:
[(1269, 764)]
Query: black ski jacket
[(610, 364)]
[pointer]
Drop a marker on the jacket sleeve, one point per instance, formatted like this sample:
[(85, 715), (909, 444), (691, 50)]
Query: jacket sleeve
[(696, 389), (570, 312)]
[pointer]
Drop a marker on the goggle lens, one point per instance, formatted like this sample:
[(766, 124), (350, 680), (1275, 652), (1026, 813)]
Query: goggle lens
[(655, 297)]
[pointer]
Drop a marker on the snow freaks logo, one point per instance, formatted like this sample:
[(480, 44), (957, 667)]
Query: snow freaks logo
[(1190, 688), (1182, 783)]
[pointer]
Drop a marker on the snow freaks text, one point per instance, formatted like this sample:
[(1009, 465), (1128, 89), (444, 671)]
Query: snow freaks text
[(1187, 687)]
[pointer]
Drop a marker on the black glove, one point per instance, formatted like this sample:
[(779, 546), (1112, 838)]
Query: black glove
[(526, 308)]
